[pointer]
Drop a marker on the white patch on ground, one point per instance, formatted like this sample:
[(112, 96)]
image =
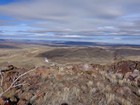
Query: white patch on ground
[(46, 60)]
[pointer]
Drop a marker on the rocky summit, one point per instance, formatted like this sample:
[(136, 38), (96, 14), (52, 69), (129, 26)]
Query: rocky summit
[(73, 84)]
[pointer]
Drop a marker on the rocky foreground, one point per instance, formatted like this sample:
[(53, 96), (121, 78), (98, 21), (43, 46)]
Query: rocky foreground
[(81, 84)]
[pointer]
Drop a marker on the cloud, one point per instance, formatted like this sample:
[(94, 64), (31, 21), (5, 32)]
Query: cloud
[(71, 18), (71, 36)]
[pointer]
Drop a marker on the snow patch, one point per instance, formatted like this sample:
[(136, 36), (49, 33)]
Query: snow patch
[(46, 60)]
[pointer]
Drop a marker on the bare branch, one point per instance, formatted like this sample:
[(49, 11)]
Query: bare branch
[(1, 82), (14, 82), (19, 85)]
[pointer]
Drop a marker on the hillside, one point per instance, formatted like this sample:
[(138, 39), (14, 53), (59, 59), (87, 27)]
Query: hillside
[(81, 84), (46, 75), (99, 55)]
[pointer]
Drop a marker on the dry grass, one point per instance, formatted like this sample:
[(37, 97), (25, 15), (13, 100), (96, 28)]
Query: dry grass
[(54, 84), (81, 88), (28, 55)]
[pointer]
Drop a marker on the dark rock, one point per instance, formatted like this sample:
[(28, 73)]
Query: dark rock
[(64, 104)]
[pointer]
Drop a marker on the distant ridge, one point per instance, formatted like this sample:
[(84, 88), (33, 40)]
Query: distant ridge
[(92, 44), (63, 43)]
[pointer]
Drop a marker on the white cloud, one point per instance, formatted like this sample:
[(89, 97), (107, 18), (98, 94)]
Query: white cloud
[(71, 36), (88, 17)]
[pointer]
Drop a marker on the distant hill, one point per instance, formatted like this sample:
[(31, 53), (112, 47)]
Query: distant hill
[(78, 43), (100, 55), (2, 40), (7, 44), (71, 55), (63, 43)]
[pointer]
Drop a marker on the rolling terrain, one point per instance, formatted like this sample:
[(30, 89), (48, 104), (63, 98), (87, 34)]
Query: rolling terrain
[(23, 54), (69, 75)]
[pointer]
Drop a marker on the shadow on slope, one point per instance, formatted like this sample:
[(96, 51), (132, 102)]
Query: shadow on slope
[(5, 46), (87, 54)]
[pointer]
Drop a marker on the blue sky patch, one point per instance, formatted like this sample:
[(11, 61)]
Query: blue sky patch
[(4, 2)]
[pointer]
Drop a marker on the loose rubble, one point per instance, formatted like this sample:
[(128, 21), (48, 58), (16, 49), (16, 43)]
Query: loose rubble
[(79, 84)]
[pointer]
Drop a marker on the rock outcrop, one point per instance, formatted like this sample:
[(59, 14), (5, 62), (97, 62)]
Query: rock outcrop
[(79, 84)]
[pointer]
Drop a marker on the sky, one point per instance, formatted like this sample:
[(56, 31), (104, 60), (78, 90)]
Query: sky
[(108, 21)]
